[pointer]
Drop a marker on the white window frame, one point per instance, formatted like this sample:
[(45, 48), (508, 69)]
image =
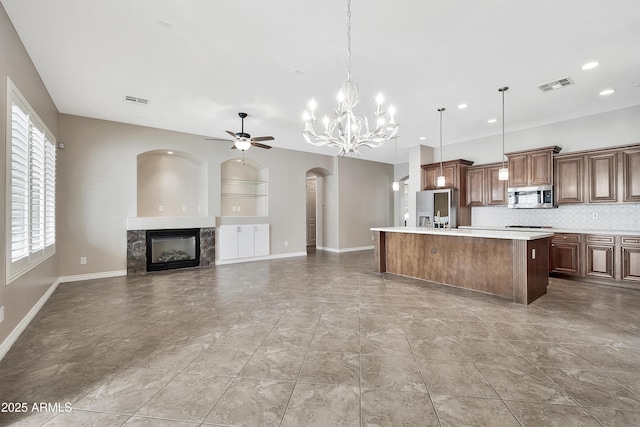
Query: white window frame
[(39, 211)]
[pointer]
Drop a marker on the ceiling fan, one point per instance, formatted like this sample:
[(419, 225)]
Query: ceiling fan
[(243, 141)]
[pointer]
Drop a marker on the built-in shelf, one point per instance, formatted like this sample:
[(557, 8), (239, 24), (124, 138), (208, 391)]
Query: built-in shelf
[(244, 188)]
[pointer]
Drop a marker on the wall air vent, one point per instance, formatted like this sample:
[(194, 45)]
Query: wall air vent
[(555, 84), (135, 100)]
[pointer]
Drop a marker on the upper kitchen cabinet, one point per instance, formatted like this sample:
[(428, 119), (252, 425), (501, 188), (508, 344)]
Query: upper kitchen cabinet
[(602, 172), (569, 179), (532, 167), (484, 188), (631, 175), (454, 171)]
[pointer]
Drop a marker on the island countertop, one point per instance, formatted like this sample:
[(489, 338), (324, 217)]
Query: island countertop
[(467, 232)]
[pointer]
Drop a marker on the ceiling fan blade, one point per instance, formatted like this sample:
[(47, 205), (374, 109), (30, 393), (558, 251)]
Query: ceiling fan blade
[(231, 133), (262, 138), (218, 139), (233, 147), (257, 144)]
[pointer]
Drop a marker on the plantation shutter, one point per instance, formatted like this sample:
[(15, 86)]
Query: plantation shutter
[(49, 193), (36, 184), (19, 183)]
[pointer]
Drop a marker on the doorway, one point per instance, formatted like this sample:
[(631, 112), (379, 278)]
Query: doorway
[(312, 214)]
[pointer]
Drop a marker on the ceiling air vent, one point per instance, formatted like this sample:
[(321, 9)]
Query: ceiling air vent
[(555, 84), (135, 100)]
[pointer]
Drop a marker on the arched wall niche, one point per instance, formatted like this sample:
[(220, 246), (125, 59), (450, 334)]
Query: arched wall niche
[(244, 188), (171, 183)]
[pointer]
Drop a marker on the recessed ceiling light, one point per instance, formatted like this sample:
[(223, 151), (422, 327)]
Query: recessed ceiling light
[(423, 138), (169, 152), (590, 65), (492, 120), (463, 106), (607, 92)]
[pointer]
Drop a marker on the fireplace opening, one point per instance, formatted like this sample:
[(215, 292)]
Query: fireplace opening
[(170, 249)]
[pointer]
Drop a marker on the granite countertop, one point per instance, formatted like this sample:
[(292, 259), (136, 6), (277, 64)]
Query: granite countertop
[(468, 232), (635, 233)]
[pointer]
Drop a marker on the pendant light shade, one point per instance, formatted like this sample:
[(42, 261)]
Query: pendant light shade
[(440, 180), (503, 172)]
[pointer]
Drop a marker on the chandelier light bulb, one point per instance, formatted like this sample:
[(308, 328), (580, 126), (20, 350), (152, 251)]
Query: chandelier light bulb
[(312, 105)]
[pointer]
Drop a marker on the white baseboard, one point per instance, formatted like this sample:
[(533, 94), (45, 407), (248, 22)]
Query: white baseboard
[(90, 276), (261, 258), (20, 327), (338, 251)]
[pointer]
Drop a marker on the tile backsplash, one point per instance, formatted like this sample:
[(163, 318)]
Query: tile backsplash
[(580, 216)]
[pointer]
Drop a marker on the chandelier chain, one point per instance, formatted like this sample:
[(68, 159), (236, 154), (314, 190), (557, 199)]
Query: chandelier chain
[(348, 40)]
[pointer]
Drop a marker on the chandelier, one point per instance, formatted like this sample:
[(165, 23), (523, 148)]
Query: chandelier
[(348, 131)]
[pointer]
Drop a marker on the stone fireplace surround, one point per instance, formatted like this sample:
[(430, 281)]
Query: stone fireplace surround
[(137, 238)]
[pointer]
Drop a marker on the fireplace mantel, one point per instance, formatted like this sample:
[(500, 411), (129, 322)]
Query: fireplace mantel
[(170, 222)]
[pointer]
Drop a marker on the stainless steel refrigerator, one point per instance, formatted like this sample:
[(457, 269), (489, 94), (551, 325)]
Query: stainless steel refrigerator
[(437, 208)]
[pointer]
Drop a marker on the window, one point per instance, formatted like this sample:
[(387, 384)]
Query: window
[(31, 193)]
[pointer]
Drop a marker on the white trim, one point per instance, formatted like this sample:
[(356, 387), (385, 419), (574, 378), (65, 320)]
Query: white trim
[(339, 251), (261, 258), (91, 276), (20, 327)]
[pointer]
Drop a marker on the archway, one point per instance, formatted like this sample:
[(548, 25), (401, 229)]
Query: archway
[(315, 208)]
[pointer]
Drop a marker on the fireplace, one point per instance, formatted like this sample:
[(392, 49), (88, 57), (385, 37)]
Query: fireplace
[(170, 249)]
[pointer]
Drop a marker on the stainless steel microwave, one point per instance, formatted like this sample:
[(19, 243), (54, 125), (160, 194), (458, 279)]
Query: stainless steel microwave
[(530, 197)]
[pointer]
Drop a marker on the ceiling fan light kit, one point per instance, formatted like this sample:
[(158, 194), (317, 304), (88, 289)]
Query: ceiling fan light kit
[(348, 131), (242, 141)]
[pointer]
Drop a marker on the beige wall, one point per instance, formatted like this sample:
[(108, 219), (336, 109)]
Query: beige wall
[(23, 293), (365, 200), (97, 176)]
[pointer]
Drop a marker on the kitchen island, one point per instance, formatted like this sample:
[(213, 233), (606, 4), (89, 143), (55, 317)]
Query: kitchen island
[(504, 263)]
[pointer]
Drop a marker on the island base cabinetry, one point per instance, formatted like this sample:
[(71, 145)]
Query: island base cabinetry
[(516, 269)]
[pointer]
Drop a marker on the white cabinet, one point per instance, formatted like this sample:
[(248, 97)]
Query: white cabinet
[(244, 241)]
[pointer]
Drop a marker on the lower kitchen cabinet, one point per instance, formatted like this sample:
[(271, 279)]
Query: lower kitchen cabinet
[(600, 255), (630, 254), (243, 241), (564, 254)]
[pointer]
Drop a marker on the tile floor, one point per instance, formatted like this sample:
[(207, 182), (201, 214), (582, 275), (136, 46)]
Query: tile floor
[(323, 341)]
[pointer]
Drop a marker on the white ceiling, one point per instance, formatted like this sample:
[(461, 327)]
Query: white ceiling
[(200, 62)]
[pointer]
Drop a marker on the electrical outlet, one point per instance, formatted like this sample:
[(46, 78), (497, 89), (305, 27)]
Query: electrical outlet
[(594, 215), (2, 314), (83, 260), (161, 208), (286, 243), (184, 209)]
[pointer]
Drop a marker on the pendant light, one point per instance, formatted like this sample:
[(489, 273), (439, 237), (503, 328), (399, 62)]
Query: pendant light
[(503, 172), (395, 185), (440, 181)]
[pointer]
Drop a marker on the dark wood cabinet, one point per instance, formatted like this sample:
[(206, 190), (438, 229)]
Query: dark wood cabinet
[(602, 172), (452, 170), (484, 188), (518, 170), (455, 173), (532, 168), (630, 254), (496, 189), (569, 179), (476, 187), (564, 254), (631, 175), (600, 251)]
